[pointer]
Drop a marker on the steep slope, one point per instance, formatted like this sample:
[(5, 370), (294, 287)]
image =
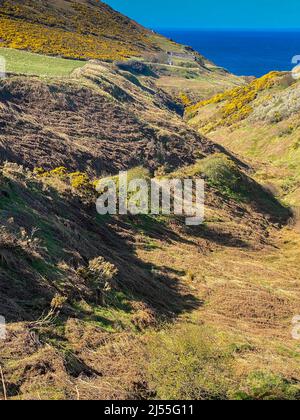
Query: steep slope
[(260, 123), (99, 307), (102, 119), (92, 30), (76, 29), (79, 292), (83, 29)]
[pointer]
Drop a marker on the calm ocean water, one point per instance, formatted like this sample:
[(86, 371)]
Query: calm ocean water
[(249, 53)]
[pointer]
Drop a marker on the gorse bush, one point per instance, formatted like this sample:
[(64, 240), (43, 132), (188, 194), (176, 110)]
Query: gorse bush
[(100, 275), (185, 99), (79, 181), (237, 102), (82, 31), (59, 172)]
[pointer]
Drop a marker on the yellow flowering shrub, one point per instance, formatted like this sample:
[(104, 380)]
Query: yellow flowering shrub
[(39, 172), (184, 98), (83, 32), (79, 181), (53, 41), (60, 172), (237, 102)]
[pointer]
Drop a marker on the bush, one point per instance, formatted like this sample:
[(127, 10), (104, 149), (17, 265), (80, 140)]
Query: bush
[(60, 172), (100, 275), (187, 363), (185, 99), (237, 102), (79, 181), (222, 173)]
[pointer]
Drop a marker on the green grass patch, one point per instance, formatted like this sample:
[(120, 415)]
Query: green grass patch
[(114, 317), (23, 62), (266, 386), (221, 173), (186, 362)]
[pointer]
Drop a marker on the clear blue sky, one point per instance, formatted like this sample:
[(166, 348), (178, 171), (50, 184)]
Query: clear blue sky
[(252, 14)]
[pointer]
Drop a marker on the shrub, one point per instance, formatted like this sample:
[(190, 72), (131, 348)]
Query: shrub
[(187, 363), (60, 172), (58, 302), (80, 180), (39, 171), (237, 102), (185, 99), (222, 173), (100, 275)]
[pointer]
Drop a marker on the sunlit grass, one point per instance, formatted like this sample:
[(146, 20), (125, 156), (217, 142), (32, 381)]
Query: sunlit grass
[(22, 62)]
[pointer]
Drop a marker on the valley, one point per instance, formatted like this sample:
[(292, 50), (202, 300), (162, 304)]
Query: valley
[(142, 307)]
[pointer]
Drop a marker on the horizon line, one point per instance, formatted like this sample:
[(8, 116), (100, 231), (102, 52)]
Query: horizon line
[(223, 29)]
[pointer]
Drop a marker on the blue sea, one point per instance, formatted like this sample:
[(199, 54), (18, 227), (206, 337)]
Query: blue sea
[(247, 53)]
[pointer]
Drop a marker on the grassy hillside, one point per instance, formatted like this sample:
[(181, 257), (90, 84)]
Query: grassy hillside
[(72, 282), (192, 84), (23, 62), (139, 307), (102, 119), (90, 300), (85, 30), (259, 122), (71, 29)]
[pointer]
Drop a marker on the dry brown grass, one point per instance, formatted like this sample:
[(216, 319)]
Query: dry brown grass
[(252, 304), (237, 274), (249, 298), (96, 366), (83, 125)]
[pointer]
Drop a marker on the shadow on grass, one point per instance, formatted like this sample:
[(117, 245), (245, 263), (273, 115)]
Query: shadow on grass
[(76, 235), (160, 231)]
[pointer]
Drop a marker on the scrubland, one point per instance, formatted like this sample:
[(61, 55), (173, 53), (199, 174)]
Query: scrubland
[(142, 307), (266, 132)]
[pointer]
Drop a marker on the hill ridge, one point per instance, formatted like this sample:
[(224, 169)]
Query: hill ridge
[(78, 29)]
